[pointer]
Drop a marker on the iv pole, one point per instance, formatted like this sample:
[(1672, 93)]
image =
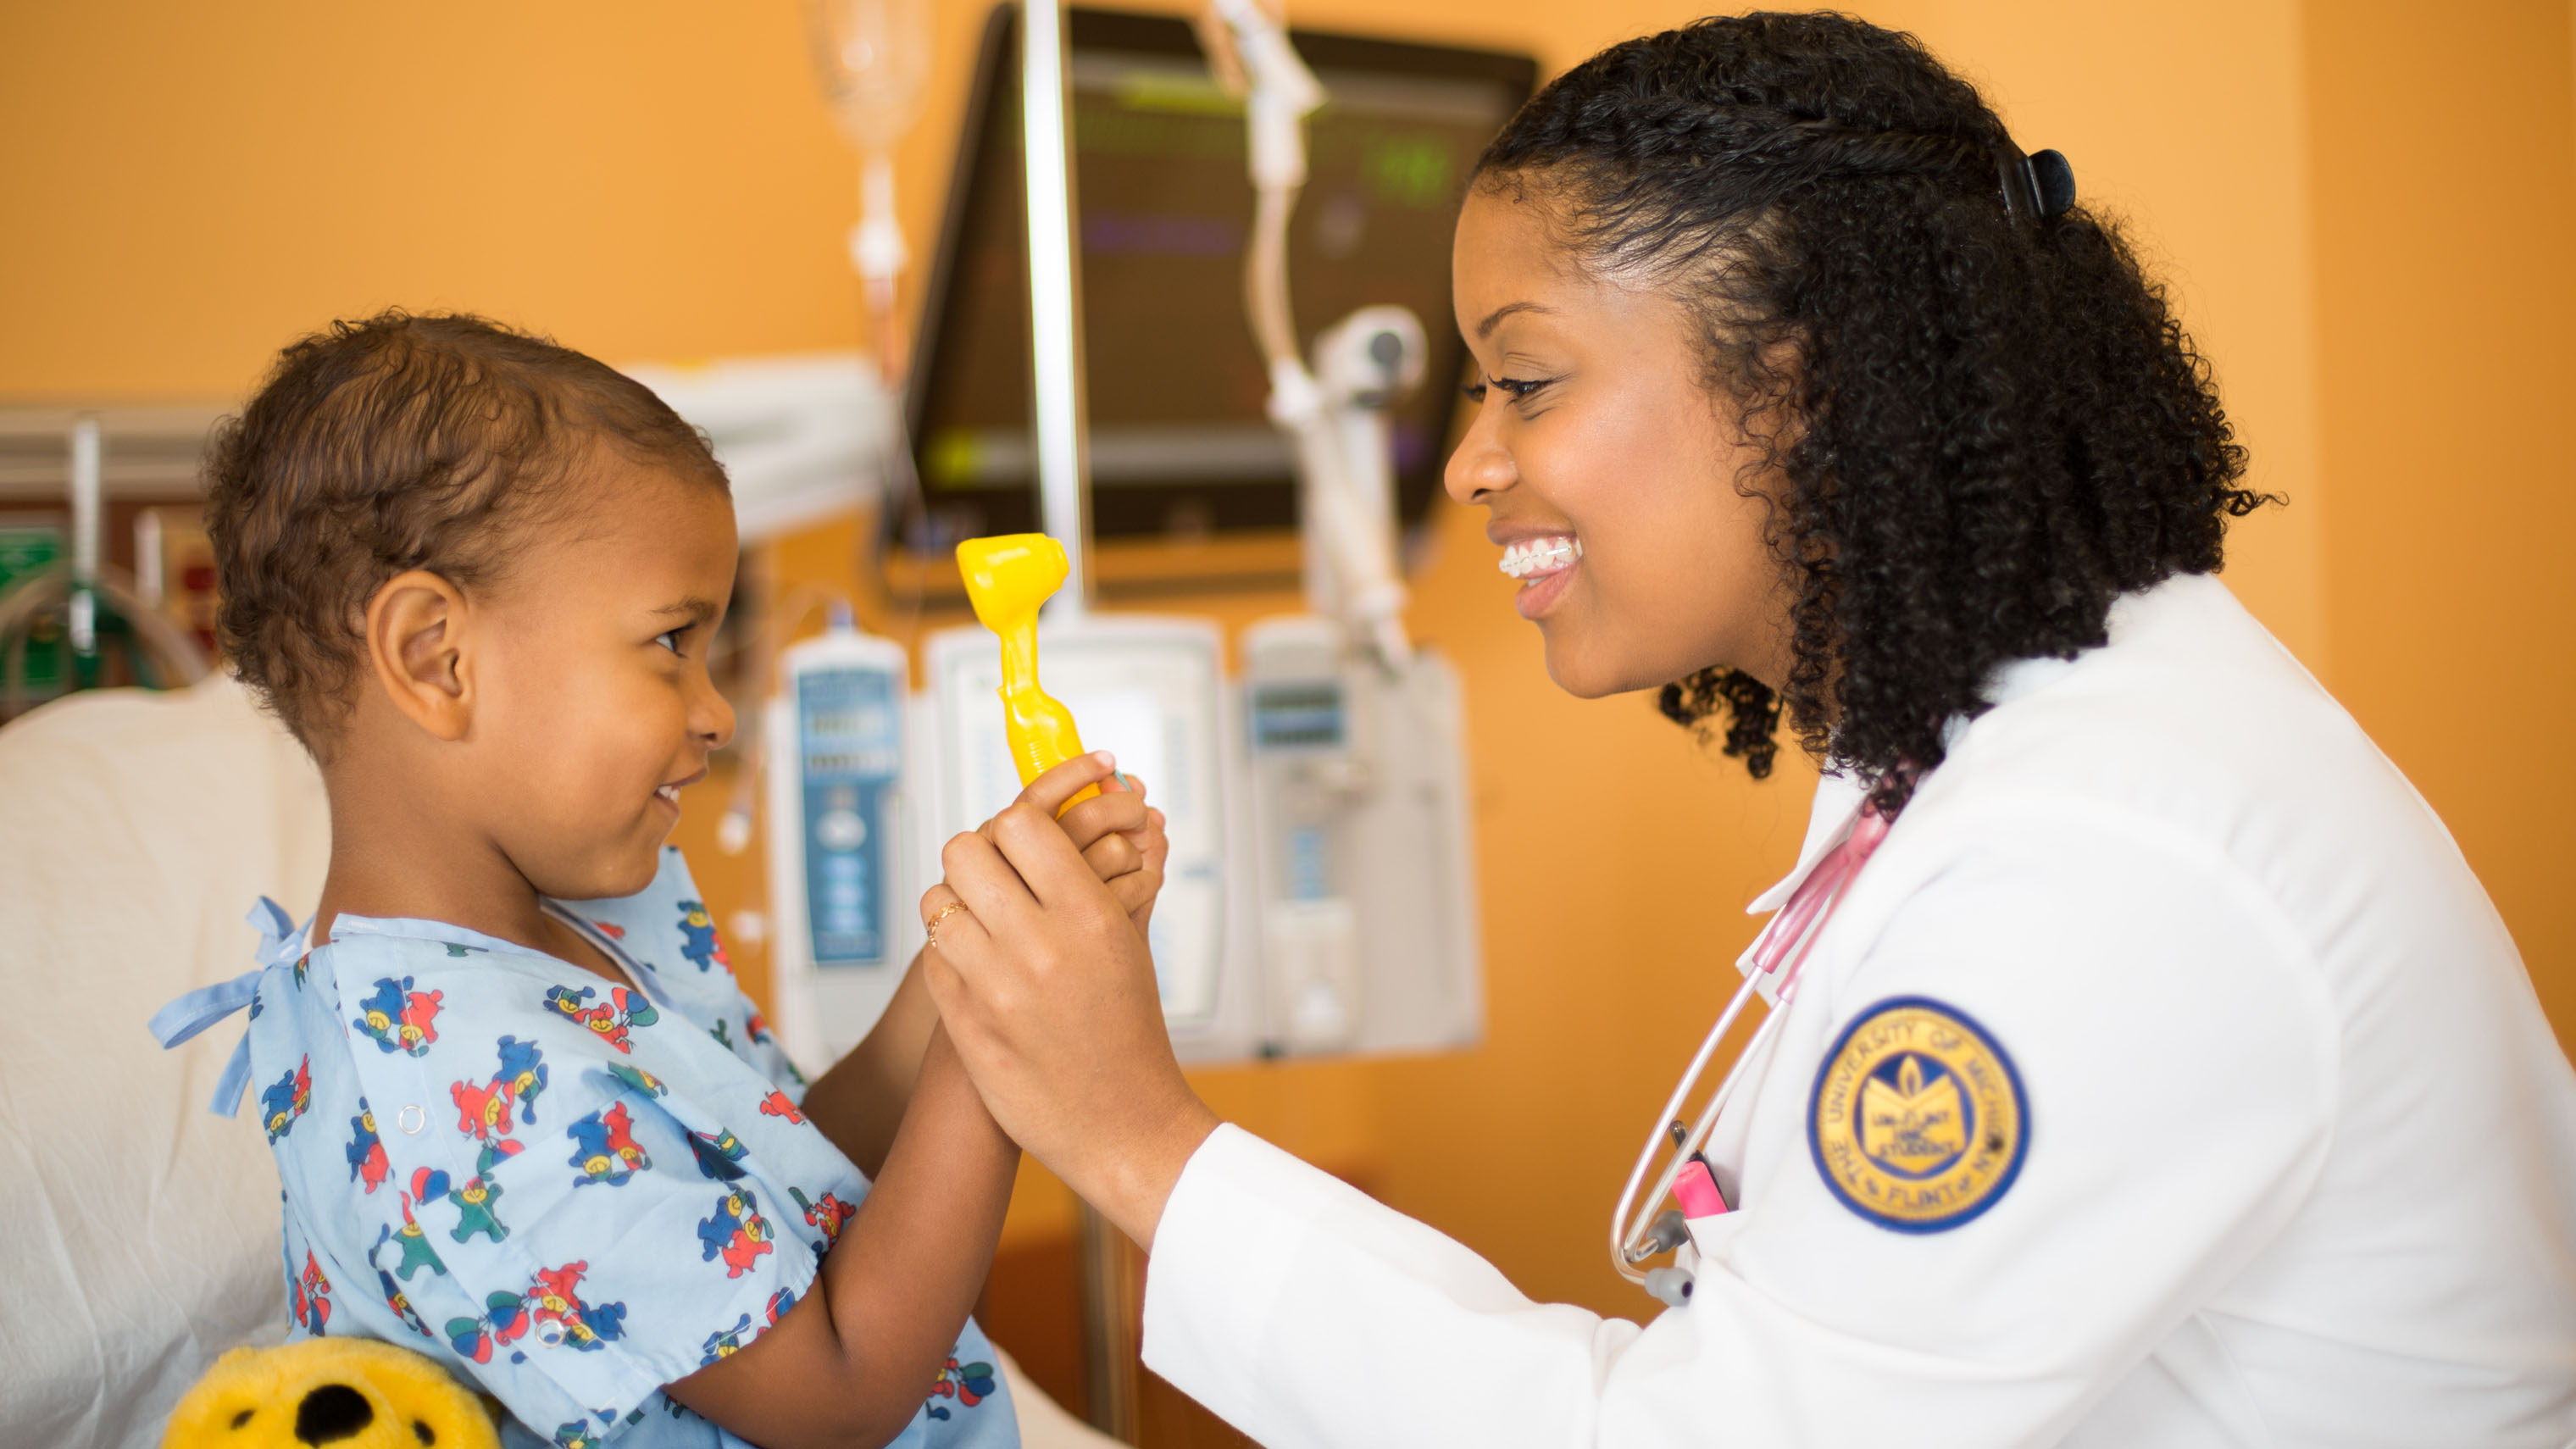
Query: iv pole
[(1055, 302), (1060, 422)]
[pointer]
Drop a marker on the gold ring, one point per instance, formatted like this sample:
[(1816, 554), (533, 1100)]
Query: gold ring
[(930, 928)]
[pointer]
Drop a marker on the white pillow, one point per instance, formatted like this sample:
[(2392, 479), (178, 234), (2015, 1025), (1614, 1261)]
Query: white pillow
[(141, 1231)]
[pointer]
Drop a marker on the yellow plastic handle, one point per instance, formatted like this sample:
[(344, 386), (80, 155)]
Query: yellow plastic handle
[(1007, 577)]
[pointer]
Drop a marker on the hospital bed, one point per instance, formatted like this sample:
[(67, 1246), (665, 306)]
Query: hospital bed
[(141, 1231)]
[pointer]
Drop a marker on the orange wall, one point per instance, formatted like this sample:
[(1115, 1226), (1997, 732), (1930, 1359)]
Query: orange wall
[(192, 186), (2446, 282)]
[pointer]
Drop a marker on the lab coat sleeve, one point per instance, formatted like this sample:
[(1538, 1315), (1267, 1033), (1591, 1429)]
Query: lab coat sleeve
[(2178, 1054), (1254, 1244)]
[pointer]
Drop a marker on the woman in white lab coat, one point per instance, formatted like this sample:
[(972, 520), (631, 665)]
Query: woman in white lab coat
[(2163, 1078)]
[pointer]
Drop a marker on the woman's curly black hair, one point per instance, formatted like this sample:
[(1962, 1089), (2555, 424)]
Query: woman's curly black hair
[(1983, 424)]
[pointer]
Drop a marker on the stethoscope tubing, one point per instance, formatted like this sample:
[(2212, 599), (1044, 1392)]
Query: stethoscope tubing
[(1796, 928), (1625, 1233)]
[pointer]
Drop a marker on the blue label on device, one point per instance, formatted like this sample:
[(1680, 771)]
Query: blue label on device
[(850, 750)]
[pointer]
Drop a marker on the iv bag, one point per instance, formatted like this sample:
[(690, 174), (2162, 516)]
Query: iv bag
[(872, 58)]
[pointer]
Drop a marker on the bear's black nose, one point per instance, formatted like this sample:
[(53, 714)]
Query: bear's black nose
[(331, 1413)]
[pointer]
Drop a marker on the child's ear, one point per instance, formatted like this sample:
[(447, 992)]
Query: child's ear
[(416, 649)]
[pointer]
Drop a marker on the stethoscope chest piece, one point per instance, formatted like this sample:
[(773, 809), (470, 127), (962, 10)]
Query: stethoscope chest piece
[(1670, 1284)]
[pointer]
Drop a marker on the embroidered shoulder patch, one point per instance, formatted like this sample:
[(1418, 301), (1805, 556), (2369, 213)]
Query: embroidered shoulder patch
[(1918, 1121)]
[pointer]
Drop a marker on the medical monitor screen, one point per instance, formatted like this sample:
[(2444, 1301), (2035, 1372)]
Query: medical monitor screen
[(1179, 441)]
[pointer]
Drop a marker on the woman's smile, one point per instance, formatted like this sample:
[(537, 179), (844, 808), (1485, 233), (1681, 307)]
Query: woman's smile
[(1545, 566)]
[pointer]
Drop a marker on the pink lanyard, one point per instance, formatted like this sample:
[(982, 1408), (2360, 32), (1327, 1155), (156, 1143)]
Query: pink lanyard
[(1812, 904)]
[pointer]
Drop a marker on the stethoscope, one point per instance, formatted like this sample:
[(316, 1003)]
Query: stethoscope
[(1780, 951)]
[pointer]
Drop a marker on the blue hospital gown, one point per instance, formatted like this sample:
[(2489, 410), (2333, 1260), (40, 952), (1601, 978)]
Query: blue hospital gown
[(569, 1191)]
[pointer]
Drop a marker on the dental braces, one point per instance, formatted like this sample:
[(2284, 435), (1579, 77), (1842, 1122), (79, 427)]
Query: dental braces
[(1540, 556)]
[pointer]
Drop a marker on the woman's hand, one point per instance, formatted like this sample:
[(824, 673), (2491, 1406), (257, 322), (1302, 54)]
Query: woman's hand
[(1046, 987), (1119, 835), (861, 1101)]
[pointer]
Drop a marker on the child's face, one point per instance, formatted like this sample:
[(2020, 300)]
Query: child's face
[(593, 706), (1597, 429)]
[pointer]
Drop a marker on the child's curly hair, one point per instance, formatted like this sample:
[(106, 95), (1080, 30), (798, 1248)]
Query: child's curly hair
[(393, 444), (1984, 426)]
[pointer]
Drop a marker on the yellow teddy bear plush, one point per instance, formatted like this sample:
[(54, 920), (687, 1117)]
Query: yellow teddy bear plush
[(347, 1393)]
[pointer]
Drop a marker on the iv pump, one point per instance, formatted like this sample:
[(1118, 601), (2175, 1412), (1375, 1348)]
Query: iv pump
[(838, 869)]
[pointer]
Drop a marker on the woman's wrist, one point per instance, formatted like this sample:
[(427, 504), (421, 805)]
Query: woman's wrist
[(1131, 1181)]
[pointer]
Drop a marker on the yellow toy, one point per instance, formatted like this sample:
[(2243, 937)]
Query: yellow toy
[(347, 1393), (1007, 577)]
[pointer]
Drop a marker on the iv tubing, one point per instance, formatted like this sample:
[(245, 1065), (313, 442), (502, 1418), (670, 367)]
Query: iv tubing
[(1281, 93)]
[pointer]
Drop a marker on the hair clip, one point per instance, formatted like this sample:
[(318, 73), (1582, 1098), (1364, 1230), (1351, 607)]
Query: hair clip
[(2040, 185)]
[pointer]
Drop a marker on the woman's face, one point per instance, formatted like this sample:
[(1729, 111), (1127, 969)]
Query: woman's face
[(1616, 482)]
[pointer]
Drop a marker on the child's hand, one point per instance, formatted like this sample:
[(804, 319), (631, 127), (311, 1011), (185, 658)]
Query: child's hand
[(1120, 837)]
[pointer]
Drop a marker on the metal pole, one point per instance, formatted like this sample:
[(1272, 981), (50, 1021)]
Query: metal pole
[(1055, 301), (1108, 1327), (1061, 428), (88, 499)]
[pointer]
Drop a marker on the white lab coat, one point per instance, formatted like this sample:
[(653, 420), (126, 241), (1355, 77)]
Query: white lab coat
[(2302, 1150)]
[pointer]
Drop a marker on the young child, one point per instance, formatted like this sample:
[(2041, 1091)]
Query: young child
[(525, 1120)]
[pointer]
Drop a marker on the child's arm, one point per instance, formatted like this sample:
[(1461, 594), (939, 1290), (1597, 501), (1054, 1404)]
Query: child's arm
[(860, 1102), (853, 1362)]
